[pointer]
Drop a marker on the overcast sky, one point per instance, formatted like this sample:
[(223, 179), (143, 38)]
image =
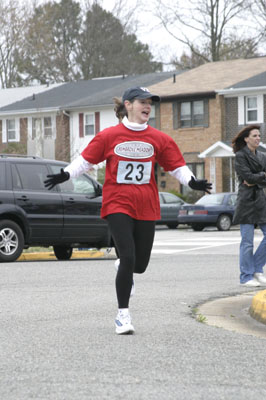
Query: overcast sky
[(161, 43)]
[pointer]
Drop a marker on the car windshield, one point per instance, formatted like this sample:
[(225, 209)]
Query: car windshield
[(211, 199)]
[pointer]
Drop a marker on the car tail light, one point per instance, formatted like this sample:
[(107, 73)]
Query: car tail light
[(200, 212), (182, 212)]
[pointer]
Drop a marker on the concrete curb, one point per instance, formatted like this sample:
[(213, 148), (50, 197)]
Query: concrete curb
[(257, 309), (75, 255), (231, 313)]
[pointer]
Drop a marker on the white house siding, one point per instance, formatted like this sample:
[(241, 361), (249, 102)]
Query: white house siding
[(77, 144)]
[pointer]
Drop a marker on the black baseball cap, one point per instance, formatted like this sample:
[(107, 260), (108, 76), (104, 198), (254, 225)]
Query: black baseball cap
[(139, 93)]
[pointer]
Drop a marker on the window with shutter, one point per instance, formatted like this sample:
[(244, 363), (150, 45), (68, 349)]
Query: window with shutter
[(187, 114), (89, 124)]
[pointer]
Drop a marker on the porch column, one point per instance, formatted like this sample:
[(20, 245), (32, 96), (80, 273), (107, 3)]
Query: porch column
[(213, 173), (231, 177)]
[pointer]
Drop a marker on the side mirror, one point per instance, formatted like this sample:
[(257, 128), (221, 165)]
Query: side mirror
[(98, 190)]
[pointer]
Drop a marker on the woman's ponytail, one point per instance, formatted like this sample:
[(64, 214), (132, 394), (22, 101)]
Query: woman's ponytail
[(120, 109)]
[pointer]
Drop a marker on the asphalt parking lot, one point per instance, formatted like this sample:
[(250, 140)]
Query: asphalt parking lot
[(57, 327)]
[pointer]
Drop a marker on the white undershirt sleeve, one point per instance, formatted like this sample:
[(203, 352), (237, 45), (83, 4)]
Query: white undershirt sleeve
[(78, 167), (183, 174)]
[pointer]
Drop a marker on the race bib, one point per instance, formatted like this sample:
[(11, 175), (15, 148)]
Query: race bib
[(132, 172)]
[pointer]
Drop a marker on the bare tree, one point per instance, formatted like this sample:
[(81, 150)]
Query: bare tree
[(233, 48), (123, 10), (258, 11), (12, 25), (207, 27), (126, 12)]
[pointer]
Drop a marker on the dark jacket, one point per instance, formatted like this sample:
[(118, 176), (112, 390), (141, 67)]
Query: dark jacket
[(251, 200)]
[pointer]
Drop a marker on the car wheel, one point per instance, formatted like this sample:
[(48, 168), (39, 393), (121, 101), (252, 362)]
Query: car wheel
[(11, 241), (173, 225), (224, 222), (197, 227), (63, 252)]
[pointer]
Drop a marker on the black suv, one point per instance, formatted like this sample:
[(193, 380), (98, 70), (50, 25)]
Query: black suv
[(31, 215)]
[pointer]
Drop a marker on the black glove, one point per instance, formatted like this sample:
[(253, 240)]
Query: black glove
[(56, 178), (200, 184)]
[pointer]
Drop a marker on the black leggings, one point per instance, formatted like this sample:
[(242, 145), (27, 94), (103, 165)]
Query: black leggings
[(133, 240)]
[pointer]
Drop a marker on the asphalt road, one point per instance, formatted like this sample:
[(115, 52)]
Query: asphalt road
[(57, 334)]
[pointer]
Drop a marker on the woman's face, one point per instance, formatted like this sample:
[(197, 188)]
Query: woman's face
[(253, 139), (138, 111)]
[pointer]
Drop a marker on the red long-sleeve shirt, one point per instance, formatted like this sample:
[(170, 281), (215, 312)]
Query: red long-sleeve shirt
[(130, 185)]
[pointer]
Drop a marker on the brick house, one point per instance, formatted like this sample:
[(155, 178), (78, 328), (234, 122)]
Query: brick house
[(200, 111), (58, 123), (245, 103), (200, 108)]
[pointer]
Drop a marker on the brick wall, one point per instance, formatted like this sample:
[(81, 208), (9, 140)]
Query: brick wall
[(193, 141), (62, 141), (15, 147), (23, 125), (231, 120)]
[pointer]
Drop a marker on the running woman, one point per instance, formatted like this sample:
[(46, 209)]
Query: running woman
[(130, 194)]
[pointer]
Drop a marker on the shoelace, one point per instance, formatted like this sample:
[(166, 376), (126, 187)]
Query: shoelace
[(124, 319)]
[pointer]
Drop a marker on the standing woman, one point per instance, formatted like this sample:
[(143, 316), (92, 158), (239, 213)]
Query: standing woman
[(250, 166), (130, 195)]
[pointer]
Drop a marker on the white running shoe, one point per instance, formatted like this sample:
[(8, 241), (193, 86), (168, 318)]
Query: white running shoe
[(251, 283), (117, 263), (123, 325), (260, 278)]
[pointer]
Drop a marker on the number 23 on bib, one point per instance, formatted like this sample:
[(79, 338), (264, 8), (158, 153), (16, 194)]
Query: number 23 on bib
[(133, 172)]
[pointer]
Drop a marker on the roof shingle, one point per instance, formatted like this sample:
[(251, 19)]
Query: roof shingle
[(211, 77), (88, 93)]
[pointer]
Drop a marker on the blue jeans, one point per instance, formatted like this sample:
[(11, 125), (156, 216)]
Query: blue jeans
[(251, 263)]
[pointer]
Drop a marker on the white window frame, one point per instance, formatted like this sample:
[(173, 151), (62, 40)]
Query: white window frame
[(53, 126), (47, 127), (92, 115), (5, 138), (190, 118), (32, 126), (247, 109), (186, 117), (11, 131), (242, 109)]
